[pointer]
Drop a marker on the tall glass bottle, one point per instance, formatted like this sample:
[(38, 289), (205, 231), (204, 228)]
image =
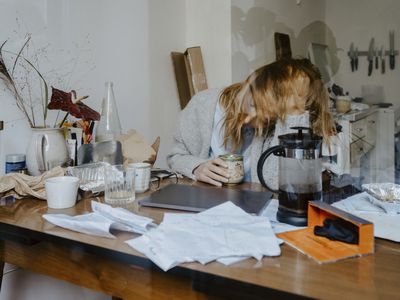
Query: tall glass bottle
[(109, 126)]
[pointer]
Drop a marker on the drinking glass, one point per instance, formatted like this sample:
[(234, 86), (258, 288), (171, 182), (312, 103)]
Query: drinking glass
[(119, 185)]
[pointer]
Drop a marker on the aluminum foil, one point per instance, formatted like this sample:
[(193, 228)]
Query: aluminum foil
[(386, 192), (91, 176)]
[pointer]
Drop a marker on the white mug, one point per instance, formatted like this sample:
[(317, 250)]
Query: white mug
[(61, 191), (142, 177)]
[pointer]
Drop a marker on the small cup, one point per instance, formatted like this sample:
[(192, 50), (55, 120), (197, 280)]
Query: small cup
[(343, 104), (119, 185), (142, 180), (61, 191)]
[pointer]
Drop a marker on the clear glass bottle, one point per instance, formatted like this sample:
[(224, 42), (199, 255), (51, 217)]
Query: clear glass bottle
[(109, 126)]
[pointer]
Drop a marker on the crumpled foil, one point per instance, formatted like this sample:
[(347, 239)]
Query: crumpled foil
[(91, 176), (385, 195), (387, 192)]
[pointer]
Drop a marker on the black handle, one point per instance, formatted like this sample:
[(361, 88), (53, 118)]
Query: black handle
[(383, 66), (352, 64), (356, 63), (376, 62), (391, 61), (276, 150), (370, 67)]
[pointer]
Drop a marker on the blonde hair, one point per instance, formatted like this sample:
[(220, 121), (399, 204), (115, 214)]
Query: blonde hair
[(276, 90)]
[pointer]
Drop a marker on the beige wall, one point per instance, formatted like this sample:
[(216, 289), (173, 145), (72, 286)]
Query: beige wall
[(255, 22), (358, 21)]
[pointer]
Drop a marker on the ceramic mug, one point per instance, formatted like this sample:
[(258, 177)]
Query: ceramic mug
[(61, 192), (142, 179)]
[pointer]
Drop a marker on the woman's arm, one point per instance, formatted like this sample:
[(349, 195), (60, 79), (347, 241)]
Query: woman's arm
[(191, 147)]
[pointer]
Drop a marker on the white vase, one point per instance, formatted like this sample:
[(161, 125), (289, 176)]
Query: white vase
[(46, 149)]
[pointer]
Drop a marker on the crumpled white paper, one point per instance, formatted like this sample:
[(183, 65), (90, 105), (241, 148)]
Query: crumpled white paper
[(225, 233), (101, 220), (386, 222)]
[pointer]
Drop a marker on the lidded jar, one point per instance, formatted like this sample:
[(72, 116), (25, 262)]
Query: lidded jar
[(109, 126)]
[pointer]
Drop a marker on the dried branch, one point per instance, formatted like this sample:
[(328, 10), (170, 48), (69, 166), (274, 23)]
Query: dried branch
[(10, 84)]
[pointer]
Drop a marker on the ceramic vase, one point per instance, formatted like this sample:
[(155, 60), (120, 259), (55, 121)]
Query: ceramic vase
[(46, 150)]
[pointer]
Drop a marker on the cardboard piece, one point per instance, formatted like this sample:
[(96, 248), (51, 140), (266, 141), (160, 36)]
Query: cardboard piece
[(190, 74), (136, 149), (195, 70), (181, 77), (322, 249), (282, 46)]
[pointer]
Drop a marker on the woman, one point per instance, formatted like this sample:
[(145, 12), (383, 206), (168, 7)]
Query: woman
[(247, 118)]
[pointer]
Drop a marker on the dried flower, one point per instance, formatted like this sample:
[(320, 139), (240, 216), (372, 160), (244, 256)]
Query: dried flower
[(69, 103), (9, 78)]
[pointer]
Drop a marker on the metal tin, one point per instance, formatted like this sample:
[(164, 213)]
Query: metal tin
[(15, 163), (235, 167)]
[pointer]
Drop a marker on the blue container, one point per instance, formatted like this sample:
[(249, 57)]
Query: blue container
[(15, 163)]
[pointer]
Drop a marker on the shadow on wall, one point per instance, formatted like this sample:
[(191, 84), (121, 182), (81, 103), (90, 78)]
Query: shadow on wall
[(253, 40)]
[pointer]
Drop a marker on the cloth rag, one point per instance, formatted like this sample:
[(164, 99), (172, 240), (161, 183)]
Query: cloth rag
[(22, 185)]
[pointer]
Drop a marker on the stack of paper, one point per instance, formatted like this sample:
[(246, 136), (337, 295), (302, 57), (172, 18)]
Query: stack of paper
[(225, 233), (101, 220)]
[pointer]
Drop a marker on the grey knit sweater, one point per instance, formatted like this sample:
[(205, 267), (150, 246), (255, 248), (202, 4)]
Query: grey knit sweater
[(192, 140)]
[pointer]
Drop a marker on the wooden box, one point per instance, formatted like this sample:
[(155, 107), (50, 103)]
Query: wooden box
[(322, 249)]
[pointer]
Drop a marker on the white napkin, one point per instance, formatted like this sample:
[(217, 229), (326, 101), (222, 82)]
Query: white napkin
[(101, 220), (225, 233), (363, 205), (278, 227)]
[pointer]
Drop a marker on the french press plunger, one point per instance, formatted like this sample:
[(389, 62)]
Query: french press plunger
[(300, 174)]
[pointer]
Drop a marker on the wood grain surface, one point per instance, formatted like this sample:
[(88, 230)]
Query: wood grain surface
[(111, 266)]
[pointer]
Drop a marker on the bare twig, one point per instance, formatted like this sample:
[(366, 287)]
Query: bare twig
[(18, 55), (10, 84)]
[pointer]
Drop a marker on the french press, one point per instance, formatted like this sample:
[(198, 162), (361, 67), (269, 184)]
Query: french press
[(300, 174)]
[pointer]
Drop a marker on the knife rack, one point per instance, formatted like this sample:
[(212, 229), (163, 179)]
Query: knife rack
[(365, 53)]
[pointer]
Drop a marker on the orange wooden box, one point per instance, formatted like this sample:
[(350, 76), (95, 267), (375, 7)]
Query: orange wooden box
[(322, 249)]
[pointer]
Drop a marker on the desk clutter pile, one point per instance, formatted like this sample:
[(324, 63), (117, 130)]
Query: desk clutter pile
[(224, 233)]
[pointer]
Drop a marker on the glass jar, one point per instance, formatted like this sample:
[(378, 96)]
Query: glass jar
[(235, 167)]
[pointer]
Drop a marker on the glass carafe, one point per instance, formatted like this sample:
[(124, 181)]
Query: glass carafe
[(300, 174), (109, 126)]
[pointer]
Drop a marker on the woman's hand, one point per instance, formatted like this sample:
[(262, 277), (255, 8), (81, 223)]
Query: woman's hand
[(214, 172)]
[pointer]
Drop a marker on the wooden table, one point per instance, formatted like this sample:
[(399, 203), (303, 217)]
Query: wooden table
[(112, 267)]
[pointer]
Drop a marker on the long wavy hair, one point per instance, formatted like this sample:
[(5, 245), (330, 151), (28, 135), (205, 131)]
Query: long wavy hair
[(275, 90)]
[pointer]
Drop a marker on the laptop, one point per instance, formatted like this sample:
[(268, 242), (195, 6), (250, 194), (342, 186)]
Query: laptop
[(198, 198)]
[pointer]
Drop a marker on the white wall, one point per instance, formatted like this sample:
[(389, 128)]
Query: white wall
[(128, 42), (174, 26), (255, 22), (209, 26), (358, 21)]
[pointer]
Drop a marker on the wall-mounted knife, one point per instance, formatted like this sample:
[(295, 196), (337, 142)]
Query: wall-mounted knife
[(382, 54), (376, 58), (356, 59), (352, 57), (391, 50), (370, 56)]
